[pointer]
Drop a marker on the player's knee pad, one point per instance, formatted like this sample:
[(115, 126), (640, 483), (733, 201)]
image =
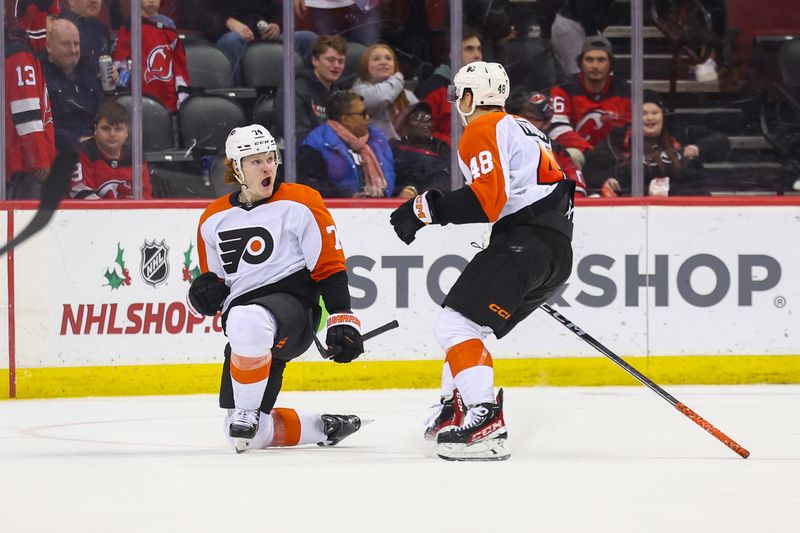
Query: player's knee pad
[(452, 327), (251, 330)]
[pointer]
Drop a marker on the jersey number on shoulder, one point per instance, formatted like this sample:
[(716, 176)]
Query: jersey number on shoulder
[(332, 229), (549, 171), (481, 164), (251, 245)]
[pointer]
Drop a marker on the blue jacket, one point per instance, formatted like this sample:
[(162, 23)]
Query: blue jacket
[(342, 170)]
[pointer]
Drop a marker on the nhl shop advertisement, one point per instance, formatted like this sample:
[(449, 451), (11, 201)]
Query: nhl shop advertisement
[(109, 287)]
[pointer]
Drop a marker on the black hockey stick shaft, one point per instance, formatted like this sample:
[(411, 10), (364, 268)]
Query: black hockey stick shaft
[(54, 189), (644, 380), (323, 351)]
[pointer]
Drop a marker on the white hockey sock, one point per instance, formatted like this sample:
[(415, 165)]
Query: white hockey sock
[(249, 376), (476, 385), (448, 383)]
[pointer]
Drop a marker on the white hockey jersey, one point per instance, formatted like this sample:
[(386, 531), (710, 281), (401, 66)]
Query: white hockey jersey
[(508, 163), (251, 247)]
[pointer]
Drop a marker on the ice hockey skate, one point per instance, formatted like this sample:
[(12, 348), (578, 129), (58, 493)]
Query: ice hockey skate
[(449, 413), (243, 428), (338, 427), (482, 436)]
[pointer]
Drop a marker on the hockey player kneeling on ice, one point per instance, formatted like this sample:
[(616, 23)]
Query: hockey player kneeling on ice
[(513, 182), (267, 253)]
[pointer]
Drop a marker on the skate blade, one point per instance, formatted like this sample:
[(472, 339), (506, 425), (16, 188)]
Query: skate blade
[(241, 445), (486, 450)]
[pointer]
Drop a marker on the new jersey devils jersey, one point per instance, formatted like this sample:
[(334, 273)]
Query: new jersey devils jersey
[(163, 61), (508, 163), (97, 176), (592, 115), (30, 137), (253, 247)]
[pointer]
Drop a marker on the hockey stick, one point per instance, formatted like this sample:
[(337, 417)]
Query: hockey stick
[(694, 417), (323, 351), (53, 190)]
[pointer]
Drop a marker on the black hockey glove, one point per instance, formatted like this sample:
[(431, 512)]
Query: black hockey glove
[(414, 215), (343, 337), (207, 293)]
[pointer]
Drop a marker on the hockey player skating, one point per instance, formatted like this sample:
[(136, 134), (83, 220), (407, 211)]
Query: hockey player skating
[(267, 253), (513, 182)]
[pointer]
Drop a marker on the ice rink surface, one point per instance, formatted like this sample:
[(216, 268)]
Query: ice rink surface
[(583, 460)]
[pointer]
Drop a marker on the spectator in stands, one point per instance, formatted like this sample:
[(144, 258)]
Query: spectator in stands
[(670, 169), (30, 138), (346, 157), (434, 89), (105, 169), (165, 73), (354, 20), (537, 109), (74, 90), (421, 162), (150, 11), (592, 102), (313, 87), (95, 37), (492, 18), (382, 86), (577, 20), (234, 23)]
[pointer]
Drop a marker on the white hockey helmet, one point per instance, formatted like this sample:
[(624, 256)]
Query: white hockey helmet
[(249, 140), (488, 83)]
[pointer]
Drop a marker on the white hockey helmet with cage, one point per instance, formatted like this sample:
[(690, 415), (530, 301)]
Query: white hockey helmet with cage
[(249, 140), (488, 83)]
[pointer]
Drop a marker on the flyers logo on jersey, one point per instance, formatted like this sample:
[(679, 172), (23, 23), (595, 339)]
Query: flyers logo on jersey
[(251, 245)]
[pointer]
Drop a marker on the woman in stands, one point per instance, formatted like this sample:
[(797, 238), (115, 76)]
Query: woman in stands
[(382, 86), (670, 168)]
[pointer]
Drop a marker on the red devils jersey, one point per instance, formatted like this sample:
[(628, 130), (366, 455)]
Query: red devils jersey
[(97, 177), (591, 115), (255, 246), (32, 16), (163, 61), (30, 137)]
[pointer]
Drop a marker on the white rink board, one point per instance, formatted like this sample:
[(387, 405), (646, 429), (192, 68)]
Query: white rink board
[(63, 268)]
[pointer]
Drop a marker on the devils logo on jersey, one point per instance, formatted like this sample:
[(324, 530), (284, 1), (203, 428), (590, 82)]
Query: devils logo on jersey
[(159, 64), (251, 245)]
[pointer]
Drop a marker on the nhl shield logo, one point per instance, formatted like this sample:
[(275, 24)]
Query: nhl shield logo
[(154, 266)]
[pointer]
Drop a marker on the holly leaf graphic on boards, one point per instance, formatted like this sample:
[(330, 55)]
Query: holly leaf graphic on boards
[(115, 281), (189, 273)]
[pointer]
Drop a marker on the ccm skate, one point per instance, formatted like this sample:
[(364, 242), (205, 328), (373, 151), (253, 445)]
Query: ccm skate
[(482, 436), (450, 412)]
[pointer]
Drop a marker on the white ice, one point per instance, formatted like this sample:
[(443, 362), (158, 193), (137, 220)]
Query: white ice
[(583, 459)]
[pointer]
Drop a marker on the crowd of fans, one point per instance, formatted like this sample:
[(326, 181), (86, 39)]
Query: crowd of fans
[(383, 133)]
